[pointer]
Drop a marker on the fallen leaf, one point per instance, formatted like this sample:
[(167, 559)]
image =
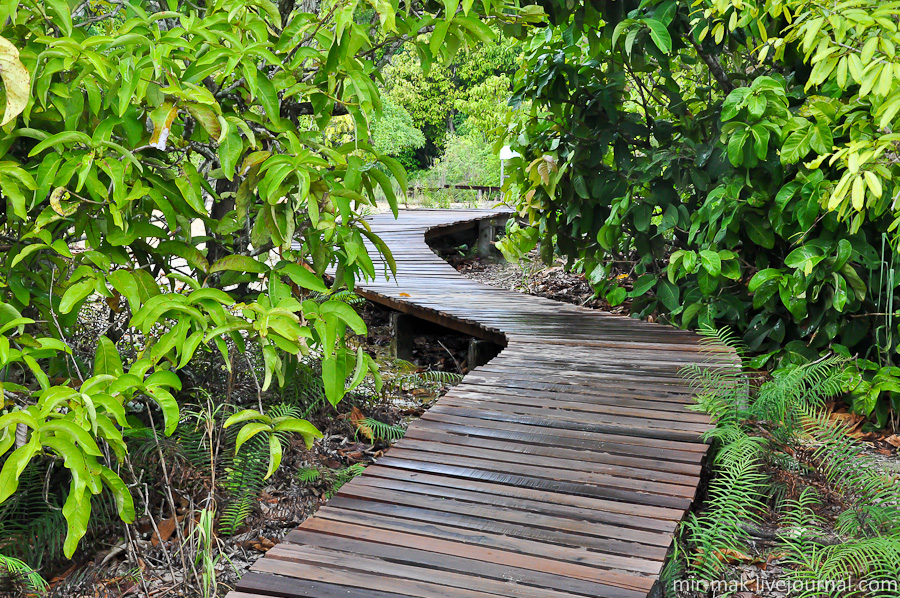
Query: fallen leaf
[(166, 529), (405, 295), (893, 440), (359, 422)]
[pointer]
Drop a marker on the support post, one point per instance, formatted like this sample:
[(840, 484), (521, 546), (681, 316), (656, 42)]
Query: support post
[(481, 352), (485, 237), (402, 334)]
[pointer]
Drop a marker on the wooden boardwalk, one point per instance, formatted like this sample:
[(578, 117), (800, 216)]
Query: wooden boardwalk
[(559, 469)]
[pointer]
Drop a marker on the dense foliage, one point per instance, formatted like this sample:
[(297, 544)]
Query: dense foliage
[(735, 159), (173, 160)]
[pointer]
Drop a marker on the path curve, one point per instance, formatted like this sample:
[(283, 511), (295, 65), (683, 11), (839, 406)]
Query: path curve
[(559, 469)]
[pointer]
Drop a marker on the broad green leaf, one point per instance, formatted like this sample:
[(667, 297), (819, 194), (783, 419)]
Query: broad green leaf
[(168, 405), (303, 278), (660, 35), (345, 313), (274, 455), (246, 415), (72, 433), (77, 511), (711, 262), (239, 263), (300, 426), (75, 294), (764, 276), (124, 501), (247, 432), (14, 466), (106, 358)]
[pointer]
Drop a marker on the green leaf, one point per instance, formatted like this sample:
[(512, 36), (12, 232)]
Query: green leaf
[(73, 433), (660, 35), (268, 97), (669, 294), (333, 376), (303, 278), (764, 276), (616, 296), (189, 253), (759, 231), (14, 466), (804, 258), (239, 263), (642, 285), (75, 294), (300, 426), (124, 501), (77, 511), (123, 281), (247, 432), (711, 262), (345, 313), (274, 455), (64, 138), (168, 405), (230, 150), (106, 358), (246, 415)]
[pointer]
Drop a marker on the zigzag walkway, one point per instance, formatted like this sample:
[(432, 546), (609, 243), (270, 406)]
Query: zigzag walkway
[(559, 469)]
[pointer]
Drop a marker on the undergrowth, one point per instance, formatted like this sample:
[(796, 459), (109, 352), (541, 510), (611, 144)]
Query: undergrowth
[(782, 425)]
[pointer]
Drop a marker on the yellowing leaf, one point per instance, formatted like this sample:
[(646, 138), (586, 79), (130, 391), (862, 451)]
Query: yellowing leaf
[(162, 119), (207, 118), (16, 80)]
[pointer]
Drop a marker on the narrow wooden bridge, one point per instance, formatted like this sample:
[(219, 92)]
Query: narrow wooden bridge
[(559, 469)]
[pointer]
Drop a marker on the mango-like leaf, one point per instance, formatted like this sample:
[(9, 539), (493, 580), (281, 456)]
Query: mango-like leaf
[(239, 263), (247, 432), (303, 278), (77, 511), (274, 455), (16, 80), (124, 501), (168, 405), (300, 426), (106, 358)]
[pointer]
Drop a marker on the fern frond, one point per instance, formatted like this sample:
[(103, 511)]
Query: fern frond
[(433, 376), (383, 431), (22, 573), (307, 475), (341, 477)]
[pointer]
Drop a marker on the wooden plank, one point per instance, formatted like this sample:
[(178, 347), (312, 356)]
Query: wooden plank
[(437, 561)]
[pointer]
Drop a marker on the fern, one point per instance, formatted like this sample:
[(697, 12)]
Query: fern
[(340, 477), (21, 573), (432, 376), (380, 430), (308, 475), (735, 497), (245, 472), (31, 522)]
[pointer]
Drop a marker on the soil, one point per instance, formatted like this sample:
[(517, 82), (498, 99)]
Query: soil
[(530, 277)]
